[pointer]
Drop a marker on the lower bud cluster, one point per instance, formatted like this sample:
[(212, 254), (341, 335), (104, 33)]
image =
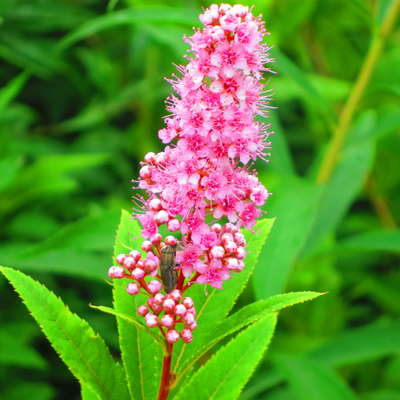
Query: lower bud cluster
[(166, 311)]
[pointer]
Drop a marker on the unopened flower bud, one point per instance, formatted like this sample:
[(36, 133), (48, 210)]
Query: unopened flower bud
[(133, 288), (149, 157), (187, 335), (154, 286), (169, 305), (120, 258), (142, 310), (167, 320), (161, 217), (172, 336), (180, 309), (129, 262), (173, 225), (240, 253), (232, 263), (176, 295), (147, 245), (189, 318), (116, 272), (155, 204), (217, 252), (239, 239), (230, 246), (216, 228), (138, 273), (145, 172), (151, 320), (159, 298), (156, 238), (171, 241), (188, 302), (135, 254), (150, 265)]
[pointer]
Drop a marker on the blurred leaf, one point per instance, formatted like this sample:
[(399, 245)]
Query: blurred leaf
[(345, 184), (141, 354), (360, 344), (149, 15), (294, 204), (382, 240), (381, 395), (16, 352), (309, 380), (286, 67), (81, 349), (12, 89), (26, 390), (9, 169), (47, 176), (229, 369), (35, 55)]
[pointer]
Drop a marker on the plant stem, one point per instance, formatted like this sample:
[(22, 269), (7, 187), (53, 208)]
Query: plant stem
[(346, 116), (165, 382)]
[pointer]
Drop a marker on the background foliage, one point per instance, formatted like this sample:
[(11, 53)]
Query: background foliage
[(80, 104)]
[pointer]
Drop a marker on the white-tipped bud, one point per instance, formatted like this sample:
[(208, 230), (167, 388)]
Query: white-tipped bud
[(173, 225), (133, 288), (217, 252), (161, 217), (116, 272)]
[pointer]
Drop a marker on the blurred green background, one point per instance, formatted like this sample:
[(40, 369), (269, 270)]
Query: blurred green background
[(81, 100)]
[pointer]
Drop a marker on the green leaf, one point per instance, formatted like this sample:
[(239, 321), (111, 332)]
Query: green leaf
[(380, 240), (225, 374), (344, 185), (245, 316), (309, 380), (131, 320), (362, 344), (81, 349), (11, 90), (33, 391), (214, 304), (294, 207), (88, 394), (149, 15), (141, 354), (16, 352)]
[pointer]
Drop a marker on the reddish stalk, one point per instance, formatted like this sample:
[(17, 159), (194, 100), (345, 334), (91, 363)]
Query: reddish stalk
[(165, 382)]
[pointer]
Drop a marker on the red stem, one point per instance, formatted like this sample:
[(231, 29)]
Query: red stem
[(165, 382)]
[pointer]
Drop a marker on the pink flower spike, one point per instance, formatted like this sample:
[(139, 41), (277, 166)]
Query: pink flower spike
[(172, 336), (217, 252), (154, 286), (133, 288), (151, 320), (155, 204), (116, 272)]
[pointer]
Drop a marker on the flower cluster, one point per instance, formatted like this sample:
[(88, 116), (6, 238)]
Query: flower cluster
[(163, 310), (201, 187)]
